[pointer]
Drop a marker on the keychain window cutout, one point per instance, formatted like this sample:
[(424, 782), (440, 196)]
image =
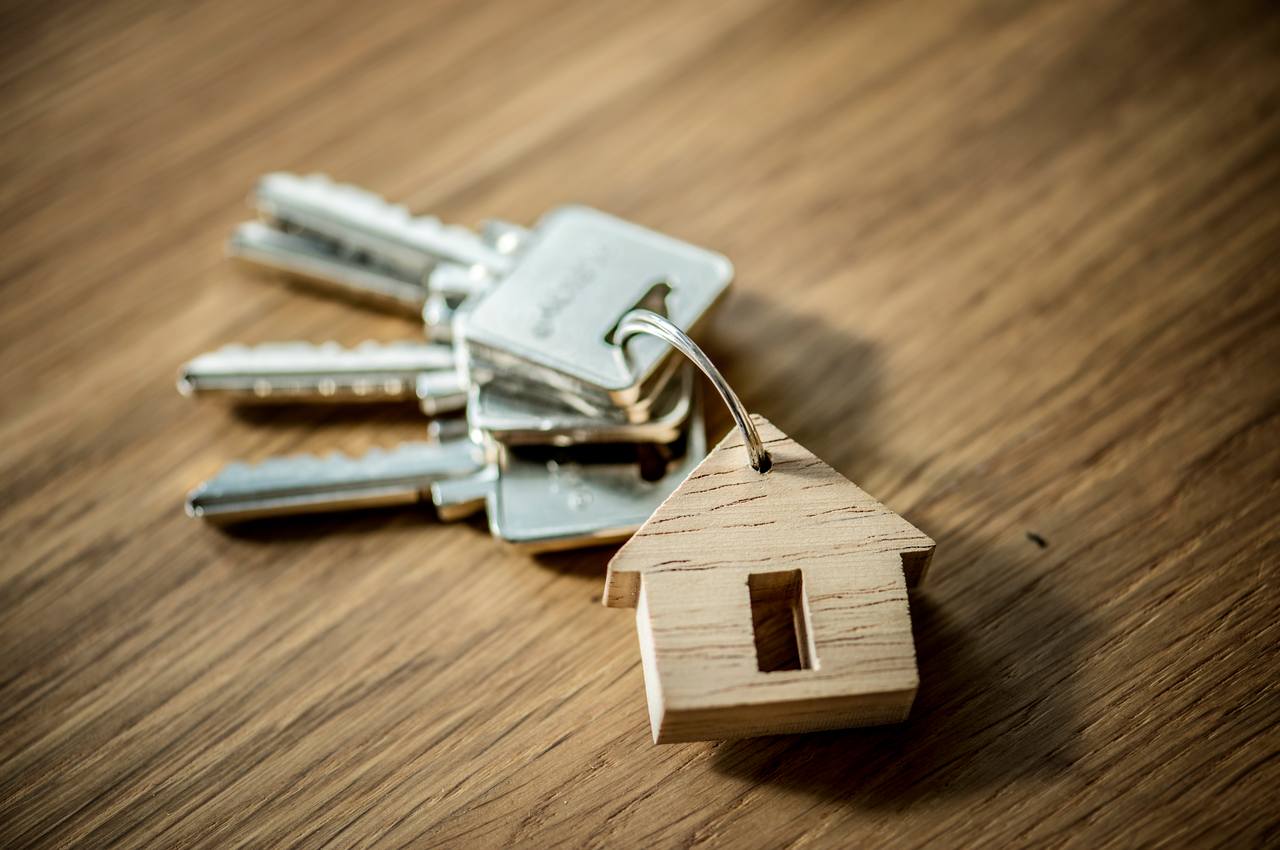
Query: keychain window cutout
[(689, 571), (780, 620)]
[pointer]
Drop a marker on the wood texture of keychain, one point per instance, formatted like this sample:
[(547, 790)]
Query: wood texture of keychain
[(770, 591)]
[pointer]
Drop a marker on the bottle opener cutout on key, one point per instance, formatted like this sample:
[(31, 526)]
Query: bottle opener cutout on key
[(770, 591)]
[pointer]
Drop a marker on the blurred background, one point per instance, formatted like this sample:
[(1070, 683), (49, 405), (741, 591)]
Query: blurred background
[(1011, 266)]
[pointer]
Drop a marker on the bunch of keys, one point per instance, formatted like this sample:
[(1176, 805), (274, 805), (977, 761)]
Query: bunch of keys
[(539, 416)]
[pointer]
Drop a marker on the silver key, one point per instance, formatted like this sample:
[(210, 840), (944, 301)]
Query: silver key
[(311, 484), (361, 222), (320, 262), (355, 241), (299, 371), (550, 319)]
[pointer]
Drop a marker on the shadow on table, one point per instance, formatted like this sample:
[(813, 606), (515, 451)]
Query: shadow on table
[(820, 384), (327, 415), (586, 563), (995, 705)]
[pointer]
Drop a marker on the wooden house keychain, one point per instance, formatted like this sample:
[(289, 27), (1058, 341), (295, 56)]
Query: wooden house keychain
[(770, 591)]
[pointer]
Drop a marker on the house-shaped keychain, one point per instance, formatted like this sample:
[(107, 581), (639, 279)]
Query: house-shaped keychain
[(771, 603), (768, 602)]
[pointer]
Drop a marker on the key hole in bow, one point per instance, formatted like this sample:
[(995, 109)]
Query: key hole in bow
[(655, 299)]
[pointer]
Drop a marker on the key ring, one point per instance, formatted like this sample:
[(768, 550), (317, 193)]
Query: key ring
[(651, 323)]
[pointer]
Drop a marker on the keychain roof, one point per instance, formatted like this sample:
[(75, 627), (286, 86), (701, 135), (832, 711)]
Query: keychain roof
[(771, 595)]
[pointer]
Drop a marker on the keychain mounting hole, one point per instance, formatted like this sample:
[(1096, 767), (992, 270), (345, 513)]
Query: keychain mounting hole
[(654, 300)]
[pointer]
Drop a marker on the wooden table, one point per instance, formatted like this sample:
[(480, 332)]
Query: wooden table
[(1011, 267)]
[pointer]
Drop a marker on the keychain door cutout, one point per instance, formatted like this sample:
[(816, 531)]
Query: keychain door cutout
[(771, 603)]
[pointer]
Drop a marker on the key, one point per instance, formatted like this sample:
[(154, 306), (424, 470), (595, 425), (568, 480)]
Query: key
[(546, 504), (356, 242), (310, 484), (551, 318), (360, 222), (515, 419), (319, 262), (534, 502), (298, 371)]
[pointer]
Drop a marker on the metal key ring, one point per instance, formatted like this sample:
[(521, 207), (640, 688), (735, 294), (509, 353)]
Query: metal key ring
[(648, 322)]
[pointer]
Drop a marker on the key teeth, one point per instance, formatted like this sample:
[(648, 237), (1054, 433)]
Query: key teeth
[(288, 465), (301, 346), (316, 203), (320, 188), (300, 371), (304, 461)]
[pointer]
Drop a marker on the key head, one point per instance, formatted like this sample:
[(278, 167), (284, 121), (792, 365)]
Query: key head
[(554, 314), (540, 503)]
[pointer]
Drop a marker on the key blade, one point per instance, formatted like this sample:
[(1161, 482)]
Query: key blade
[(362, 222), (319, 262), (300, 371), (304, 484)]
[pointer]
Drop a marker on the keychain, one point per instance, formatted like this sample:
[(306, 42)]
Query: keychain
[(770, 591)]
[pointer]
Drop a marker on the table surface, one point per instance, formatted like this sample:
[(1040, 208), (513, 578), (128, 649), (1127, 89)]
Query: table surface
[(1012, 267)]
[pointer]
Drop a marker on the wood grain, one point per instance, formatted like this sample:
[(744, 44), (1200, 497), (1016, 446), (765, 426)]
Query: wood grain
[(1012, 267), (709, 571)]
